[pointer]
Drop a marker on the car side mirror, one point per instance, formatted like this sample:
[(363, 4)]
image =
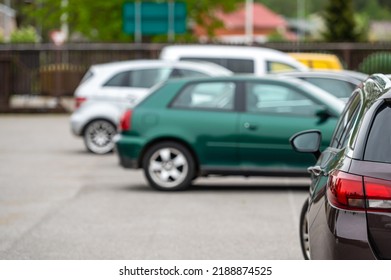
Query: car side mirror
[(323, 114), (307, 142)]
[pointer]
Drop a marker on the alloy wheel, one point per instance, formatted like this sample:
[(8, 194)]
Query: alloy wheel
[(168, 167), (98, 136)]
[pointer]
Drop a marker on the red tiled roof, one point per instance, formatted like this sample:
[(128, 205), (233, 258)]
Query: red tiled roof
[(262, 18)]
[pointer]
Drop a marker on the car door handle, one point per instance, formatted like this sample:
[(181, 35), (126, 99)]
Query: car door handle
[(249, 126), (316, 170)]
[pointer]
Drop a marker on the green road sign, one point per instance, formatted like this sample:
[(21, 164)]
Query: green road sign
[(149, 18)]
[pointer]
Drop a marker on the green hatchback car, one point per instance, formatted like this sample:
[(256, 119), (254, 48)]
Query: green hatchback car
[(238, 125)]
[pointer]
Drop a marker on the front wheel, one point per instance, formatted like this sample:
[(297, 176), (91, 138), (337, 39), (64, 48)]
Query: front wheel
[(169, 166), (304, 236), (98, 136)]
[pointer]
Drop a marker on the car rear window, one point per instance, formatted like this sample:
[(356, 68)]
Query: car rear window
[(378, 146), (235, 65), (87, 76), (141, 78)]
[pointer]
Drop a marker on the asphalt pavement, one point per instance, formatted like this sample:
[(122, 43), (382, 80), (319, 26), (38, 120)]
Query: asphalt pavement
[(58, 201)]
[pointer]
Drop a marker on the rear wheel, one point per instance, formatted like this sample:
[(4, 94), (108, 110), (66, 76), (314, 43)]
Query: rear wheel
[(98, 136), (169, 166), (304, 236)]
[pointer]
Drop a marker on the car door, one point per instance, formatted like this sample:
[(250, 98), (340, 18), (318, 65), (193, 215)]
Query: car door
[(205, 115), (273, 112), (333, 158), (332, 155)]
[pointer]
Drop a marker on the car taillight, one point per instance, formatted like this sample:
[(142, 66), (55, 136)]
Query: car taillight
[(125, 123), (346, 191), (378, 194), (79, 101), (358, 193)]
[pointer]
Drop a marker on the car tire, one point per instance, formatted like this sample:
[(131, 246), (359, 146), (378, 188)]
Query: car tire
[(98, 136), (304, 238), (169, 166)]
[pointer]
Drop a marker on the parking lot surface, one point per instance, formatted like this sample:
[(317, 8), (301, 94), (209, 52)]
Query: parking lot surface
[(58, 201)]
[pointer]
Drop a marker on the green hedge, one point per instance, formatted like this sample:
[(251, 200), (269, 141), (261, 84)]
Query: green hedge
[(376, 63), (24, 35)]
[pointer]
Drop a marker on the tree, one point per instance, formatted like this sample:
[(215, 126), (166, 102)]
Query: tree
[(94, 19), (101, 20), (340, 22), (376, 10)]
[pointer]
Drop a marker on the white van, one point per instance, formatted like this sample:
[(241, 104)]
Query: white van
[(238, 59)]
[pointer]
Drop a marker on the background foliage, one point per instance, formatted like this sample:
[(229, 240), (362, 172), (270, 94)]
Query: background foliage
[(101, 20), (340, 22)]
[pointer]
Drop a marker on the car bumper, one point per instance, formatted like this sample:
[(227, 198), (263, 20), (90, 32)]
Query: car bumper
[(340, 235), (128, 150), (77, 123)]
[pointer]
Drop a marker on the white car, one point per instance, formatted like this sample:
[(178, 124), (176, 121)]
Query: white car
[(107, 89), (238, 59)]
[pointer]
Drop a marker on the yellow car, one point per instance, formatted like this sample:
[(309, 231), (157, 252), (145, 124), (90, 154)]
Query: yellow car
[(318, 60)]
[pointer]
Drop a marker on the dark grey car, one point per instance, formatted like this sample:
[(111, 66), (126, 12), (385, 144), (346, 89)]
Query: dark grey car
[(348, 211)]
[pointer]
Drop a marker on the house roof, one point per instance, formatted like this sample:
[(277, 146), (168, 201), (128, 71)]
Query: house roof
[(265, 22), (263, 18)]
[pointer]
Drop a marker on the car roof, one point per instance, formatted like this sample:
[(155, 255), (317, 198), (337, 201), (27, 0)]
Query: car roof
[(240, 52), (240, 77), (317, 60), (352, 76), (312, 55), (222, 49), (145, 63)]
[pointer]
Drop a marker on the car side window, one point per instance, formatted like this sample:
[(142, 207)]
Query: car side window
[(276, 66), (147, 78), (87, 76), (240, 65), (281, 99), (338, 88), (346, 121), (142, 78), (178, 72), (349, 128), (207, 95), (119, 80)]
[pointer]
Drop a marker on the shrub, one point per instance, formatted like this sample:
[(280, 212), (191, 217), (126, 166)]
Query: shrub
[(376, 63), (276, 36), (24, 35)]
